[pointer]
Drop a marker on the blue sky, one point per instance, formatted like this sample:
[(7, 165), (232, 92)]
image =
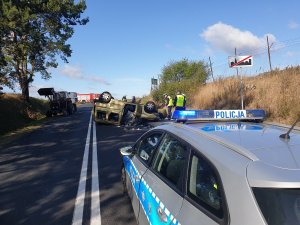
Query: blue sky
[(128, 42)]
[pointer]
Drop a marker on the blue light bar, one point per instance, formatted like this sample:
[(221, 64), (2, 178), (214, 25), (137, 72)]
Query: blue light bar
[(184, 115)]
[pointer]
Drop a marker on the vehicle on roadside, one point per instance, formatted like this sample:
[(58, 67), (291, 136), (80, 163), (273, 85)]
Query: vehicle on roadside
[(108, 110), (217, 171), (62, 102), (71, 96)]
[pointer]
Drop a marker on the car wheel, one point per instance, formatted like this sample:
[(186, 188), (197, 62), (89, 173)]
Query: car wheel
[(74, 108), (150, 107), (106, 97), (70, 108), (64, 112), (124, 179)]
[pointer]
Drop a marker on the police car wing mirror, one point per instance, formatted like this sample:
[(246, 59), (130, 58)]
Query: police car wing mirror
[(127, 151)]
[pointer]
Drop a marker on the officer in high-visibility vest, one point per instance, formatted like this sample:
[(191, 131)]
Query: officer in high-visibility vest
[(169, 105), (179, 101)]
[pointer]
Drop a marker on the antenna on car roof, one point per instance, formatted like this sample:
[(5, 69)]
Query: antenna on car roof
[(286, 136)]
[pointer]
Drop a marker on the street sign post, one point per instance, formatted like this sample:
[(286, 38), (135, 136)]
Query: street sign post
[(240, 62)]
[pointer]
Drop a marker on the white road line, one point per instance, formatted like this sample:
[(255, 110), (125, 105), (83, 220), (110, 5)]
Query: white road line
[(79, 203), (95, 207)]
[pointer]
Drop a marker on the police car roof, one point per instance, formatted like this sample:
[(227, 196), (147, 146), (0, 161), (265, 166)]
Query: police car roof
[(258, 142)]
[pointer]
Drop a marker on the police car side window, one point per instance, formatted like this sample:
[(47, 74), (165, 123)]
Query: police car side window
[(147, 146), (170, 160), (204, 187)]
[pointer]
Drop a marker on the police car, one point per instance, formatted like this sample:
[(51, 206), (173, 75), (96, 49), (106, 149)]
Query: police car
[(220, 171)]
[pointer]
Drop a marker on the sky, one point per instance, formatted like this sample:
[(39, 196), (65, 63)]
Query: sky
[(126, 43)]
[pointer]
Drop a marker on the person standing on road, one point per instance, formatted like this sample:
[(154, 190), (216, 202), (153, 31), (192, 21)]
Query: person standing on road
[(179, 101), (169, 105)]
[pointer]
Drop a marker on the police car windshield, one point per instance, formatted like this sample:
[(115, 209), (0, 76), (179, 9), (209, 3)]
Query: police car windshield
[(279, 206)]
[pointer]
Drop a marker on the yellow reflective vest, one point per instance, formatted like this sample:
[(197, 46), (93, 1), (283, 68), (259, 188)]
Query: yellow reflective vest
[(180, 101), (170, 101)]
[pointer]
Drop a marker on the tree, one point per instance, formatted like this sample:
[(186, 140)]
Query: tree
[(184, 75), (32, 34)]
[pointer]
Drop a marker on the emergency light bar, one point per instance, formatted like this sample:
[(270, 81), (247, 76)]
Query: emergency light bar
[(208, 115)]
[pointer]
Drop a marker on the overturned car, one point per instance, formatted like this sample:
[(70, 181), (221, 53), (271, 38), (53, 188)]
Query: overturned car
[(108, 110)]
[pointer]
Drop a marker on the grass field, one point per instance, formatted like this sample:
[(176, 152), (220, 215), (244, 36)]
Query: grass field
[(15, 114), (278, 93)]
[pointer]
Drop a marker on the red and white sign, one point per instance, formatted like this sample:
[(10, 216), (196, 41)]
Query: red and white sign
[(87, 97), (240, 61)]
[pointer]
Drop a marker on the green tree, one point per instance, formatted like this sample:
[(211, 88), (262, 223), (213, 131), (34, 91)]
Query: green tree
[(184, 75), (32, 34)]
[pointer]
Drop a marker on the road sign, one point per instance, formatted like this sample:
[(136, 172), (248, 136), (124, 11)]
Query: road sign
[(154, 81), (240, 61)]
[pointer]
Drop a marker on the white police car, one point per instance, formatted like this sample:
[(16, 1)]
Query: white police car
[(237, 173)]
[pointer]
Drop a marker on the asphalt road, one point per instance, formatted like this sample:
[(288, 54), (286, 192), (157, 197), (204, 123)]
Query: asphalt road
[(45, 178)]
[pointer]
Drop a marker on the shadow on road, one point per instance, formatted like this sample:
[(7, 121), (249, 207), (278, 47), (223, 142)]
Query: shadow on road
[(39, 172)]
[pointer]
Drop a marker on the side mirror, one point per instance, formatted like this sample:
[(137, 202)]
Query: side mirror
[(127, 151)]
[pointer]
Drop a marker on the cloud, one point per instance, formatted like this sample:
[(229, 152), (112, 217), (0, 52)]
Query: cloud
[(75, 72), (293, 25), (97, 79), (72, 71), (226, 38)]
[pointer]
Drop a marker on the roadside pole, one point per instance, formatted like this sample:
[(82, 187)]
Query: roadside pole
[(242, 89), (240, 62)]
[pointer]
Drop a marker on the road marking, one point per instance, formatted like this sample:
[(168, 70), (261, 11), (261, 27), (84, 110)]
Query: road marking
[(95, 207), (79, 203)]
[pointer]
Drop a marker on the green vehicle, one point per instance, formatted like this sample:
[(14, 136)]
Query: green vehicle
[(108, 110)]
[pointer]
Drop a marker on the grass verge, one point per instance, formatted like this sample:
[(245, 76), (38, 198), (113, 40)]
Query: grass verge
[(15, 115)]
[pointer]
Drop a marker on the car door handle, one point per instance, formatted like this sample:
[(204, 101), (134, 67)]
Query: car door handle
[(162, 215)]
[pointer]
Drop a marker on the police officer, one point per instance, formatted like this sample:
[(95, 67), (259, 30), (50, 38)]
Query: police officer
[(169, 105), (179, 101)]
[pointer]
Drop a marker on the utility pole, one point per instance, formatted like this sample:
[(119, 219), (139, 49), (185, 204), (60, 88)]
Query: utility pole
[(211, 70), (269, 54)]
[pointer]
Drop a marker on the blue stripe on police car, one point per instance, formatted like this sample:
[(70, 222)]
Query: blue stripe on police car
[(146, 196)]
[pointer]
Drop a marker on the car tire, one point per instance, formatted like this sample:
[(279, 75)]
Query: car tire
[(150, 107), (105, 97), (64, 112), (74, 108), (70, 108)]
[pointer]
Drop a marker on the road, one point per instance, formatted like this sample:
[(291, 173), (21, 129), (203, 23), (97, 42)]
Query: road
[(67, 172)]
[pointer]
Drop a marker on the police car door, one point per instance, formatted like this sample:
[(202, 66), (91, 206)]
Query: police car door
[(205, 200), (138, 165), (161, 188)]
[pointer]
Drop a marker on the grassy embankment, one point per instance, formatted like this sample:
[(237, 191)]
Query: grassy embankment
[(15, 114), (278, 93)]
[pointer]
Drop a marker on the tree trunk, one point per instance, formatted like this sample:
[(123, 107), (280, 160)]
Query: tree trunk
[(25, 92), (24, 85)]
